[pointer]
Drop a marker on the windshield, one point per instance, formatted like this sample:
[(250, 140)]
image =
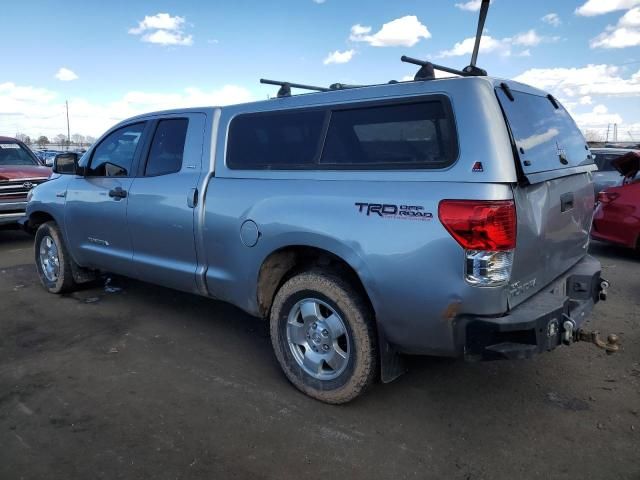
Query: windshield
[(14, 154), (546, 137), (603, 161)]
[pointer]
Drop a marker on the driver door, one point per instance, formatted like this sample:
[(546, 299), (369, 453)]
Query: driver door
[(96, 204)]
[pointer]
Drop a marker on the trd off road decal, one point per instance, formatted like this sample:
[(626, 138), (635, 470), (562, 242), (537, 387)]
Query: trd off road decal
[(390, 210)]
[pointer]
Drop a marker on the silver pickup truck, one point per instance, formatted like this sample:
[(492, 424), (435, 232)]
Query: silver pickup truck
[(445, 217)]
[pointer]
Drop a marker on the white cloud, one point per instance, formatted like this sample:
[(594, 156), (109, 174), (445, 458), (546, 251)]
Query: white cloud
[(528, 39), (586, 100), (65, 75), (37, 111), (163, 29), (599, 7), (590, 80), (626, 33), (470, 6), (598, 117), (164, 37), (160, 21), (488, 44), (552, 19), (339, 57), (401, 32)]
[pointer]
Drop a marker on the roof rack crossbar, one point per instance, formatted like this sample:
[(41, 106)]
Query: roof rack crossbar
[(342, 86), (285, 87), (442, 68)]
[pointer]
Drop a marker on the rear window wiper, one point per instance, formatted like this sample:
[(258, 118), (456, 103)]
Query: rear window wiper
[(507, 91), (553, 101)]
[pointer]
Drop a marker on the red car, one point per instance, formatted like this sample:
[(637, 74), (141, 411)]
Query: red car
[(20, 171), (617, 216)]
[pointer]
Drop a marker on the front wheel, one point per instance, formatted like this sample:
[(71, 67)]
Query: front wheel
[(322, 331), (52, 259)]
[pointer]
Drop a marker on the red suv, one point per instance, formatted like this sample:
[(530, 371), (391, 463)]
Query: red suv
[(617, 216), (20, 171)]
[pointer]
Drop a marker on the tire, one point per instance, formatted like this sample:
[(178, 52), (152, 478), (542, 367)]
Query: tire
[(53, 260), (308, 315)]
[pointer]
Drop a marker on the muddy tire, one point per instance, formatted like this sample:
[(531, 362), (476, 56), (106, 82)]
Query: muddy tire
[(323, 335), (53, 260)]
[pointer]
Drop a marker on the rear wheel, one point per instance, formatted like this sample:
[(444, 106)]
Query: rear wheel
[(52, 259), (323, 336)]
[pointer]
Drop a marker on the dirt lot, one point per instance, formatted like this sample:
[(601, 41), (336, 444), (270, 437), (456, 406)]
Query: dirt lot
[(144, 382)]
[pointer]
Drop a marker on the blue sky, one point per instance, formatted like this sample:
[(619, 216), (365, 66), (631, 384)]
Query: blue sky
[(135, 56)]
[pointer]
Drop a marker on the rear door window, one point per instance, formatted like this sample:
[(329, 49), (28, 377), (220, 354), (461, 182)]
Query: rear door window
[(546, 137), (167, 147)]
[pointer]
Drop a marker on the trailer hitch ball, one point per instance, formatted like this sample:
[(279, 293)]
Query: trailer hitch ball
[(612, 345)]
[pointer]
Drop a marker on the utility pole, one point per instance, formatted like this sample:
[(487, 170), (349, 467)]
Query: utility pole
[(606, 140), (66, 102)]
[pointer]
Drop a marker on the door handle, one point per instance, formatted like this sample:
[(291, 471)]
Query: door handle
[(117, 193), (192, 198), (566, 202)]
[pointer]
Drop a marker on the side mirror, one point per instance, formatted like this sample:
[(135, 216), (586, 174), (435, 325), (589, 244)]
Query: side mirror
[(66, 164)]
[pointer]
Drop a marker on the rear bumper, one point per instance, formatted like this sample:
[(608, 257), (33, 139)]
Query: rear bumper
[(536, 325)]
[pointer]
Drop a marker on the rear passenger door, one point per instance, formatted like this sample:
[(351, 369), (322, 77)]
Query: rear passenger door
[(162, 201)]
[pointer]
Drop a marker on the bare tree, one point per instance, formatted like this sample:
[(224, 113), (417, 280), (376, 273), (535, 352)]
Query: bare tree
[(593, 136), (60, 139), (78, 139), (42, 141)]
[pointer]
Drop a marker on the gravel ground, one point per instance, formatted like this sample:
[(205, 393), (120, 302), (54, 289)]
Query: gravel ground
[(139, 381)]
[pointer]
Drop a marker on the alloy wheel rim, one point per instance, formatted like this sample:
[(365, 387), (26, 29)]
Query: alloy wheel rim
[(318, 339), (49, 258)]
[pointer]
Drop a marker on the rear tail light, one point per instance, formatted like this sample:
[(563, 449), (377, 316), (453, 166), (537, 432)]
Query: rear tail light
[(486, 229), (607, 197)]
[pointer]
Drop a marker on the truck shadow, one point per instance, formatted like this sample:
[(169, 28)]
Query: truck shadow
[(12, 235)]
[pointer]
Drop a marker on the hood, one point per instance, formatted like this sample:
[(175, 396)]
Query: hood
[(18, 172), (628, 164)]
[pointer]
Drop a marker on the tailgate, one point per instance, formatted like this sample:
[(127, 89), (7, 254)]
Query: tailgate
[(555, 199)]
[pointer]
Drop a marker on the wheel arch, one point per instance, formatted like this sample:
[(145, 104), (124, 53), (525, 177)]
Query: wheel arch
[(280, 264)]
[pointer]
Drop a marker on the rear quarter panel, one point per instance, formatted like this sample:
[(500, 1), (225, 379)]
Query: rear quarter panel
[(412, 269)]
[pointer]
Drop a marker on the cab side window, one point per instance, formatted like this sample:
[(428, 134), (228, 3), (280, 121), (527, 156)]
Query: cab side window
[(114, 156), (167, 147)]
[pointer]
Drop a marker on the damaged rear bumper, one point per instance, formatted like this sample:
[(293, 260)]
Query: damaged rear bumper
[(552, 317)]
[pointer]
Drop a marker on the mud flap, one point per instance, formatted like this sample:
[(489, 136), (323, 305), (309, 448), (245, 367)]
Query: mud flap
[(392, 364)]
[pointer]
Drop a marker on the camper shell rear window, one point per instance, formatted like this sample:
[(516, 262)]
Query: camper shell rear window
[(416, 134), (545, 137)]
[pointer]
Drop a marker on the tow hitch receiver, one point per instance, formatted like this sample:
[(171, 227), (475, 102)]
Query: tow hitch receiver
[(612, 345), (570, 334)]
